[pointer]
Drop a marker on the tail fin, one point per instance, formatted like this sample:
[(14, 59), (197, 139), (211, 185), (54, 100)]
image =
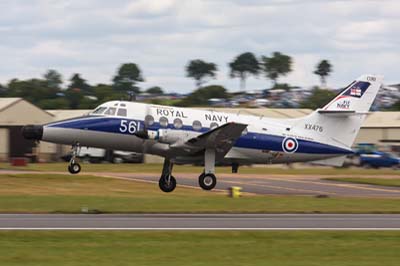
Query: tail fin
[(358, 96), (340, 120)]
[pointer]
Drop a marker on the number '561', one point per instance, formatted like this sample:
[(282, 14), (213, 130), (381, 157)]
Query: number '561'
[(129, 126)]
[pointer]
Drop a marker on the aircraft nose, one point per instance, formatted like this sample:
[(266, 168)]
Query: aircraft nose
[(33, 132)]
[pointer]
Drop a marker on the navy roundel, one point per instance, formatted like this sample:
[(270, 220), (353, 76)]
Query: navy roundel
[(290, 145)]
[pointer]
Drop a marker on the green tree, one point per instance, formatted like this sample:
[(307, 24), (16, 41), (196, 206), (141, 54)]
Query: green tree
[(57, 103), (277, 65), (199, 70), (127, 76), (395, 106), (3, 91), (323, 69), (33, 90), (74, 97), (200, 96), (105, 92), (77, 82), (155, 90), (319, 98), (53, 79), (242, 66)]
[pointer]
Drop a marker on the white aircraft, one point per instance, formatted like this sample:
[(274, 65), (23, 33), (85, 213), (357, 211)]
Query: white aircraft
[(185, 135)]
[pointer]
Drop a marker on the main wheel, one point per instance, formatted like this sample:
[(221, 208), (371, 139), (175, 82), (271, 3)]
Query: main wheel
[(207, 181), (167, 186), (74, 168)]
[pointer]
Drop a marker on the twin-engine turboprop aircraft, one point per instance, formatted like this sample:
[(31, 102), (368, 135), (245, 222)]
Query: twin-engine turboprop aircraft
[(185, 136)]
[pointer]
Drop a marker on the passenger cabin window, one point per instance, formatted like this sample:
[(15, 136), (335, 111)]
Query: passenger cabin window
[(99, 110), (110, 111), (121, 112), (178, 123), (196, 125), (149, 120), (163, 121), (213, 125)]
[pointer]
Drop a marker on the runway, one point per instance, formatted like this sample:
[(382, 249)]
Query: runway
[(199, 222), (276, 184), (265, 184)]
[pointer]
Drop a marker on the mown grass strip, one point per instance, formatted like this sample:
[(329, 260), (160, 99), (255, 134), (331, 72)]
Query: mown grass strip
[(216, 248), (48, 193), (156, 168)]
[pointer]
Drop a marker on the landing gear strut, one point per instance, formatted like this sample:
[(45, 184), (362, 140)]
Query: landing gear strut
[(207, 179), (167, 182), (73, 166)]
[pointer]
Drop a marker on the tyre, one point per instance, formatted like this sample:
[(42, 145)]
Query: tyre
[(207, 181), (167, 186), (74, 168)]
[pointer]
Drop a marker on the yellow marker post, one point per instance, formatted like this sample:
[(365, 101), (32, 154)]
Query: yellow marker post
[(235, 192)]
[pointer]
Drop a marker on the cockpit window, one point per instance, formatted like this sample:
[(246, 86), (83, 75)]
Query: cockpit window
[(121, 112), (99, 110), (110, 111)]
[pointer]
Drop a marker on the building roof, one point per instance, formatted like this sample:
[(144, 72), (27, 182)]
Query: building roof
[(7, 102), (66, 114), (382, 119), (19, 112)]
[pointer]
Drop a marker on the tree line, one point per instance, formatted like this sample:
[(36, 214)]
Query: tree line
[(48, 92), (51, 92), (247, 64)]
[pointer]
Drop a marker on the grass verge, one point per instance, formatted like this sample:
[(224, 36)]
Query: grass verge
[(199, 248), (51, 193), (156, 168), (391, 182)]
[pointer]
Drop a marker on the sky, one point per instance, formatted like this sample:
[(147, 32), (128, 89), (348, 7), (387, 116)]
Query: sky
[(94, 37)]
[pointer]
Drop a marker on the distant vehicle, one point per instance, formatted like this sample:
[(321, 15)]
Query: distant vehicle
[(96, 155), (377, 159)]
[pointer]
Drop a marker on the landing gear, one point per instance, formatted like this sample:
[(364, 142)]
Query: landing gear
[(207, 181), (73, 166), (167, 182)]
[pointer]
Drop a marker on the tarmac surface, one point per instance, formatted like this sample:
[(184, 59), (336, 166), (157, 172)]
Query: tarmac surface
[(199, 222), (276, 184), (265, 184)]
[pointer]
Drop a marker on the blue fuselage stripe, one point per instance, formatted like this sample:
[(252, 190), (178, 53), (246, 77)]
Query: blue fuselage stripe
[(250, 140)]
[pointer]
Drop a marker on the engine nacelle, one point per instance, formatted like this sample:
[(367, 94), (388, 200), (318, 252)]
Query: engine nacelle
[(170, 136)]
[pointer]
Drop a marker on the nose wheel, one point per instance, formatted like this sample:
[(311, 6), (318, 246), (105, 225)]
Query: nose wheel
[(73, 166), (167, 182)]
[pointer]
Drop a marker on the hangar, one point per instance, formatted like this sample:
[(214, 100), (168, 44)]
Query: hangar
[(15, 113)]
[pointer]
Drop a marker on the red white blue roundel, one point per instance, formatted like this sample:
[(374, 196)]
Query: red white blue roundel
[(290, 145)]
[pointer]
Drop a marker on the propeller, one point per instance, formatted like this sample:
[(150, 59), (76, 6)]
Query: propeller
[(144, 132), (148, 121)]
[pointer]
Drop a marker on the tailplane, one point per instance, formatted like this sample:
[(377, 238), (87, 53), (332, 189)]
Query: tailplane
[(339, 121), (356, 97)]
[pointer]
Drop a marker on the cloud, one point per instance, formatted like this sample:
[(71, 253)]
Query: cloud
[(95, 37)]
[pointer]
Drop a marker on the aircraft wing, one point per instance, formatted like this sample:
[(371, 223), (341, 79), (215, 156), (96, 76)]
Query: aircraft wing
[(221, 138)]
